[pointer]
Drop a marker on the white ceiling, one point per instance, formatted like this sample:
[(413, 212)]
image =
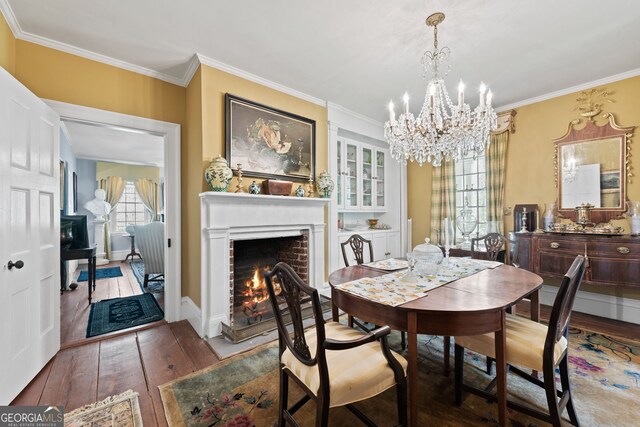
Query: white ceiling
[(356, 53), (112, 144)]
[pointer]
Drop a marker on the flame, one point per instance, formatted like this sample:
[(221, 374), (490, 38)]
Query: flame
[(256, 288)]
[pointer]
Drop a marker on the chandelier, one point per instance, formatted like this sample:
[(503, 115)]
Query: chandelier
[(443, 130)]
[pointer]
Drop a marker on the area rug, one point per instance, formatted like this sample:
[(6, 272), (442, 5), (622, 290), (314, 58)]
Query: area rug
[(243, 390), (120, 313), (101, 273), (121, 410), (138, 270)]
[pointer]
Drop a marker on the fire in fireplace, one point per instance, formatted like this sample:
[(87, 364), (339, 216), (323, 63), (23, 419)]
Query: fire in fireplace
[(251, 312), (255, 304)]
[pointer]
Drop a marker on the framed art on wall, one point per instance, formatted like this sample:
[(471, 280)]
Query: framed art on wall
[(267, 142)]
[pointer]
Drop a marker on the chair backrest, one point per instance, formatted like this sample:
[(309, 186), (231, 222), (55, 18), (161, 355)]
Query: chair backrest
[(150, 242), (493, 242), (294, 291), (514, 252), (356, 242), (563, 304)]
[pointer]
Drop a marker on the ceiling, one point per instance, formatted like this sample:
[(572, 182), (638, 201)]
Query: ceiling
[(357, 53), (113, 144)]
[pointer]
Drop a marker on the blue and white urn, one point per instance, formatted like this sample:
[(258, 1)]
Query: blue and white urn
[(218, 175), (325, 184), (254, 188)]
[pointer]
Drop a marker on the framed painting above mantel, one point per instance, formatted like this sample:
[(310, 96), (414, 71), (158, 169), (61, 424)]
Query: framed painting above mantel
[(267, 142)]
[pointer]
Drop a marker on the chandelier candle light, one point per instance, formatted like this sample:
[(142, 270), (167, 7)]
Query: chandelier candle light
[(442, 130)]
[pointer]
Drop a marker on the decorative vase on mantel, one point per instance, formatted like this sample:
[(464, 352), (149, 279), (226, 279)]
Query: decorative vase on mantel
[(325, 184), (218, 175)]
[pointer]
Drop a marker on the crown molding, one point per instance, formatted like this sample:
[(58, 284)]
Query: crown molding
[(194, 64), (572, 89), (359, 116), (204, 60)]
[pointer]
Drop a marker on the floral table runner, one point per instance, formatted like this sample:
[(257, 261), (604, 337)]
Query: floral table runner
[(400, 287), (391, 264)]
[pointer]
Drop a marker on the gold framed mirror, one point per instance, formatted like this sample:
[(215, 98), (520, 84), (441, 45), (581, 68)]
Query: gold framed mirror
[(592, 167)]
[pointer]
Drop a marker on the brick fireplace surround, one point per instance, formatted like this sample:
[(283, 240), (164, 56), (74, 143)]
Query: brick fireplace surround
[(229, 217)]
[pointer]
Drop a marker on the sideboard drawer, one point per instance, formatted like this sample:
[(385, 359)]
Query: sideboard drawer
[(615, 249), (561, 245)]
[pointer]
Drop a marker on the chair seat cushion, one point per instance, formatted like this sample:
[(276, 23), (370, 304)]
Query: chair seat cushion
[(525, 343), (355, 374)]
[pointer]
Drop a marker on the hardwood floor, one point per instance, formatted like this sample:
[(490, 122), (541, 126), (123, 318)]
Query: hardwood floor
[(74, 305), (144, 359), (139, 360)]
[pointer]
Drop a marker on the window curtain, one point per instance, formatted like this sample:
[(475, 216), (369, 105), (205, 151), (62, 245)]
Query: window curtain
[(443, 199), (496, 160), (114, 187), (148, 192)]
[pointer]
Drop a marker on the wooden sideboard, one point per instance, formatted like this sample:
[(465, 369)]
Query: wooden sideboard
[(612, 261)]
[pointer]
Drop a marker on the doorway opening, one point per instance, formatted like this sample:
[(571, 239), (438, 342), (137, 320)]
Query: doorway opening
[(134, 222)]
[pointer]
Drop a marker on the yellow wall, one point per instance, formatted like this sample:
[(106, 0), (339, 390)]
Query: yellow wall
[(7, 46), (419, 201), (127, 172), (213, 85)]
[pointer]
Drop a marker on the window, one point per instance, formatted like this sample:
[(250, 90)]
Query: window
[(471, 193), (130, 210)]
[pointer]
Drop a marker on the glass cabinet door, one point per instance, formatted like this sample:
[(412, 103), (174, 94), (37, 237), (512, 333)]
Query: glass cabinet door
[(351, 179), (380, 178), (340, 177), (367, 177)]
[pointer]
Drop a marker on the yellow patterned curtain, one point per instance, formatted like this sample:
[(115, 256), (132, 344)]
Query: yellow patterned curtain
[(496, 161), (148, 192), (443, 199), (114, 187)]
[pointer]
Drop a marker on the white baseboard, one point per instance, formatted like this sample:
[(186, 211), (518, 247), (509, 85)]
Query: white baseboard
[(191, 312), (611, 307), (119, 255)]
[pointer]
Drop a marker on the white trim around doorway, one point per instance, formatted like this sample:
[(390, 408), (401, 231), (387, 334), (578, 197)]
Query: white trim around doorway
[(171, 134)]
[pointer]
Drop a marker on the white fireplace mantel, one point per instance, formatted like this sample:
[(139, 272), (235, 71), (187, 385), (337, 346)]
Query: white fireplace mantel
[(231, 216)]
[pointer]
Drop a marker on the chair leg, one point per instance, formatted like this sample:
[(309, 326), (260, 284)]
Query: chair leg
[(401, 396), (447, 354), (566, 388), (350, 321), (146, 281), (551, 392), (403, 340), (322, 412), (459, 368), (284, 397), (489, 365)]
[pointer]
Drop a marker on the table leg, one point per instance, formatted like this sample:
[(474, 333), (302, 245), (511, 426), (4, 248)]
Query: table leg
[(334, 313), (535, 306), (501, 370), (412, 375), (95, 267), (90, 278)]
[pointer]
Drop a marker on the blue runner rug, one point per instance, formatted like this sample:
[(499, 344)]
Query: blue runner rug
[(101, 273), (122, 313), (138, 270)]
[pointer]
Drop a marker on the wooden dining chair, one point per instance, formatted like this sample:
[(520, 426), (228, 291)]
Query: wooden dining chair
[(493, 243), (356, 242), (334, 364), (533, 346)]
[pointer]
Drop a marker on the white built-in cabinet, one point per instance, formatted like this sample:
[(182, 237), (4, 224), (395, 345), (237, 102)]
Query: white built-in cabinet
[(386, 244), (361, 182)]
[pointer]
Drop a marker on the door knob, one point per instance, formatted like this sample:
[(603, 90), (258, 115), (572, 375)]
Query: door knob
[(18, 264)]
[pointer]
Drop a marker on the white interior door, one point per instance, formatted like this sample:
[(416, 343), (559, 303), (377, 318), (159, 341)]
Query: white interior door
[(29, 236)]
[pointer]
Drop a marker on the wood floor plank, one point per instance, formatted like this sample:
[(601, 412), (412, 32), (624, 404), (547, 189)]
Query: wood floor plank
[(121, 370), (164, 360), (197, 349), (73, 379), (33, 391)]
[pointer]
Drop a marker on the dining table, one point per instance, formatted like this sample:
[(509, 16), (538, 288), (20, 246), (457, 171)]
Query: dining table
[(471, 305)]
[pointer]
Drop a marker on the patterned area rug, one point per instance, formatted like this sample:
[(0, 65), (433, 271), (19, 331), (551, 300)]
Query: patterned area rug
[(120, 313), (138, 270), (122, 410), (101, 273), (243, 390)]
